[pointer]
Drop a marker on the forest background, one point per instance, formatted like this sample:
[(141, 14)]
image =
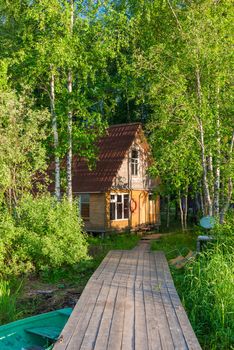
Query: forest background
[(70, 68)]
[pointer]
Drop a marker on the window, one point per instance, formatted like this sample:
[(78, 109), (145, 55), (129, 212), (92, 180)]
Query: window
[(119, 206), (135, 162), (84, 206)]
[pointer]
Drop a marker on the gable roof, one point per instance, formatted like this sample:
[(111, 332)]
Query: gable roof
[(112, 149)]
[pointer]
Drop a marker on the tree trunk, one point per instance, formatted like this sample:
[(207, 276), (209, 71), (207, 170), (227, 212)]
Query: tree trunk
[(207, 198), (185, 208), (69, 125), (208, 201), (69, 153), (181, 212), (227, 202), (202, 203), (217, 172), (211, 177), (55, 132), (168, 211), (230, 185)]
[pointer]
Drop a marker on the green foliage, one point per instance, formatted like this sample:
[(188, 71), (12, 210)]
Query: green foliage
[(115, 241), (8, 311), (22, 153), (98, 248), (43, 234), (176, 56), (225, 232)]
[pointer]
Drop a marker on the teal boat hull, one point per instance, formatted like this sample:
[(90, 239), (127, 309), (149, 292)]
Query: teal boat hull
[(36, 332)]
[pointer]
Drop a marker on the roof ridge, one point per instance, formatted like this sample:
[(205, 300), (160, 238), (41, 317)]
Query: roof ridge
[(124, 124)]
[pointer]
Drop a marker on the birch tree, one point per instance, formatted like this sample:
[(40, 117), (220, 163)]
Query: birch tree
[(187, 66), (51, 53)]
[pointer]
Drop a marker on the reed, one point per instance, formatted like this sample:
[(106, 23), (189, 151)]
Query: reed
[(207, 291), (8, 309)]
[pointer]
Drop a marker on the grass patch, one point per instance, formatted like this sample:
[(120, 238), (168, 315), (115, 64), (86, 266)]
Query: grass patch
[(9, 293), (207, 291), (205, 285), (176, 244)]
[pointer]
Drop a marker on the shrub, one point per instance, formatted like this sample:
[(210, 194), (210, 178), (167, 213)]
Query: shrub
[(43, 234), (13, 257)]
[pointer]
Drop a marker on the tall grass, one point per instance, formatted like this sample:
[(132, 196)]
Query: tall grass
[(207, 291), (8, 310), (179, 243), (206, 284)]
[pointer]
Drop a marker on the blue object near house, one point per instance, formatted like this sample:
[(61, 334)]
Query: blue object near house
[(207, 222)]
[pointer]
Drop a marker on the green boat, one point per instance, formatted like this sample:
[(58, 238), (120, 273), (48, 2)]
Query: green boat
[(34, 333)]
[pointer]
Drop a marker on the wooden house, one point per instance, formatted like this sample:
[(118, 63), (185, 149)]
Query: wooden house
[(117, 195)]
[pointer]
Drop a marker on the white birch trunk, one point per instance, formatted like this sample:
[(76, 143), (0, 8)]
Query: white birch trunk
[(56, 138), (69, 124), (185, 209), (208, 201), (217, 172), (211, 177), (181, 212), (230, 185), (69, 153)]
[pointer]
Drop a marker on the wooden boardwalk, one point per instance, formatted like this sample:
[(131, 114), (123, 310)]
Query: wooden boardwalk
[(129, 303)]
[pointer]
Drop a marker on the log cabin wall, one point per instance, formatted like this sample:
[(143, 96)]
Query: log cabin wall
[(97, 206), (146, 212)]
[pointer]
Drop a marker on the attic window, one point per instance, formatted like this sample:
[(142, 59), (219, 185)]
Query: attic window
[(135, 162)]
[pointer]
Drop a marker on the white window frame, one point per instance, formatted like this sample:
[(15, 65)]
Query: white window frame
[(114, 200), (135, 163)]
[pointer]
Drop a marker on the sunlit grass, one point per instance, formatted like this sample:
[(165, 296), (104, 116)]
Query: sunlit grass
[(205, 286), (8, 297), (176, 244)]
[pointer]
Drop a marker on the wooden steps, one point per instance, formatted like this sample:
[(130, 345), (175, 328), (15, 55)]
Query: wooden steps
[(129, 303)]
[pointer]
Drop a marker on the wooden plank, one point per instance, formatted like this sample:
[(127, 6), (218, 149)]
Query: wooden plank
[(107, 317), (104, 329), (85, 325), (141, 336), (81, 307), (116, 329), (91, 332), (162, 321), (108, 264), (75, 318), (188, 332), (152, 321), (129, 303), (81, 314), (128, 340), (174, 325)]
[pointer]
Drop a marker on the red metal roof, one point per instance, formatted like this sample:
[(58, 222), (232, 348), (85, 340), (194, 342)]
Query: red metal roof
[(112, 150)]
